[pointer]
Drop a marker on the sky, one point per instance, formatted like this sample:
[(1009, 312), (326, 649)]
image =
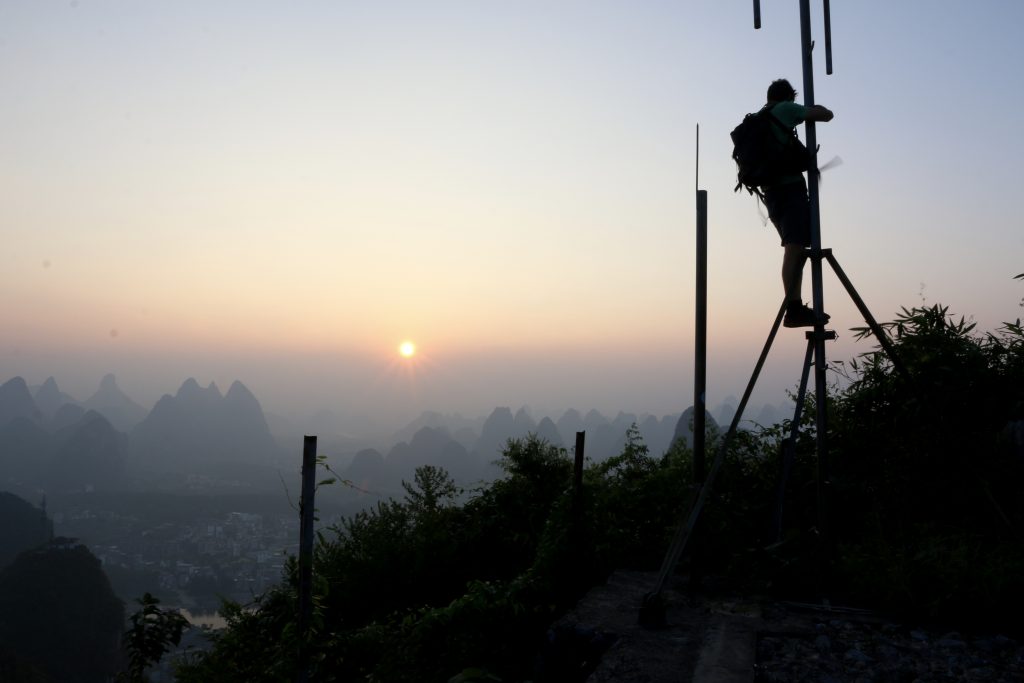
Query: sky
[(282, 193)]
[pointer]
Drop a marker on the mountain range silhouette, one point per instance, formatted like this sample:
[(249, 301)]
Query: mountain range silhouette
[(51, 441)]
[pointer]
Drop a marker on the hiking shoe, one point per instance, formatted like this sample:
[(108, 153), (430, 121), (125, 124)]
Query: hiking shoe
[(802, 316)]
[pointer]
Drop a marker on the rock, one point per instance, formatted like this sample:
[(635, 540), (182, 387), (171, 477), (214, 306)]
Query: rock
[(888, 653), (952, 640), (950, 643)]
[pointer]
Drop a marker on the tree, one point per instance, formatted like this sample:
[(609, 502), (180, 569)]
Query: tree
[(926, 488), (153, 633), (432, 487)]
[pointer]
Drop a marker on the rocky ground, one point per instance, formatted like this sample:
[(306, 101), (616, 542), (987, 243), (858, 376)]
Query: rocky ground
[(830, 648), (709, 639)]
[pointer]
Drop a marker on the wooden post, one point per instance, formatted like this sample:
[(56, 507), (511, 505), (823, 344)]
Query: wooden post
[(700, 343), (306, 511), (576, 533), (577, 472)]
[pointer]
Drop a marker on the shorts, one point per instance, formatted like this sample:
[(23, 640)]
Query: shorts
[(790, 212)]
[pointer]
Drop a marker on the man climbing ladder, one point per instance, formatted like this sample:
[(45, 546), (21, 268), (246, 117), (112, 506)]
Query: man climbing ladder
[(773, 169)]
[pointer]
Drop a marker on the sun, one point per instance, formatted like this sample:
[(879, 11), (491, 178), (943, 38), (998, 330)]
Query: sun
[(407, 349)]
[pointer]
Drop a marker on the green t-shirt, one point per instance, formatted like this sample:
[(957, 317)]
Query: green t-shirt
[(791, 115)]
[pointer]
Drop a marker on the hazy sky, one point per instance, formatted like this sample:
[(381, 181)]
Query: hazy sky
[(282, 192)]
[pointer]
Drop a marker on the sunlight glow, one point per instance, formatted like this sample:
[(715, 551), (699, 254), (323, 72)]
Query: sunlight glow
[(407, 349)]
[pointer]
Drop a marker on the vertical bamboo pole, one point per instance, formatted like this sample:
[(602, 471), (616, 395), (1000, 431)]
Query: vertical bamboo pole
[(577, 471), (820, 387), (701, 342), (577, 535), (306, 510)]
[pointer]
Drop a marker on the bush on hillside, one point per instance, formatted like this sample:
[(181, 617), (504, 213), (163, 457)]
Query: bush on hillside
[(923, 517)]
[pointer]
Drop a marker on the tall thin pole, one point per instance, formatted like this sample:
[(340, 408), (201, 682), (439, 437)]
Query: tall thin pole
[(577, 487), (701, 334), (577, 470), (687, 524), (306, 510), (816, 274)]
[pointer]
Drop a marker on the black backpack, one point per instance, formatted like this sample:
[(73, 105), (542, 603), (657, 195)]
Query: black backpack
[(761, 158)]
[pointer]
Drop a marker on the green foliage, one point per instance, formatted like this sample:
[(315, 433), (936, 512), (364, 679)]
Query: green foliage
[(432, 487), (634, 501), (153, 633), (922, 500), (927, 490), (415, 590), (928, 447), (486, 629), (937, 572), (397, 553), (259, 643)]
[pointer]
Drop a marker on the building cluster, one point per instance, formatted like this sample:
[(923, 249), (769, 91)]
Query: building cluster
[(237, 555)]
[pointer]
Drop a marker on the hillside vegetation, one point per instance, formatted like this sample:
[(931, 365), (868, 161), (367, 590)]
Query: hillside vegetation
[(924, 519)]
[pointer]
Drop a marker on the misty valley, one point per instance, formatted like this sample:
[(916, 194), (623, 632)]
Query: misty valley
[(196, 499), (479, 549)]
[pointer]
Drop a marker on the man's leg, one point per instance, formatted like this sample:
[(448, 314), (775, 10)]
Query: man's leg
[(792, 272), (797, 314)]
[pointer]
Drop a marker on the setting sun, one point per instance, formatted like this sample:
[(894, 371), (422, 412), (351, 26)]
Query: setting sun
[(407, 349)]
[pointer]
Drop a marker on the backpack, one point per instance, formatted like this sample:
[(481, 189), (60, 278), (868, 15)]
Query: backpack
[(761, 159)]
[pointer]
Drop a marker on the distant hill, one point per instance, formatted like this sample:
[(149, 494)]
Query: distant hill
[(468, 458), (109, 401), (684, 426), (569, 423), (604, 437), (547, 430), (200, 431), (498, 428), (434, 447), (49, 398), (59, 614), (725, 410), (382, 474), (369, 471), (25, 449), (199, 428), (89, 454), (22, 527), (454, 423), (16, 402), (658, 432), (86, 454), (67, 414)]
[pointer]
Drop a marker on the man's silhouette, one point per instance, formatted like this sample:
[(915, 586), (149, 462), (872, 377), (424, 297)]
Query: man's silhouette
[(787, 203)]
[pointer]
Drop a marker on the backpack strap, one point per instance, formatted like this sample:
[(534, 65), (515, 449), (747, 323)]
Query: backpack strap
[(751, 189)]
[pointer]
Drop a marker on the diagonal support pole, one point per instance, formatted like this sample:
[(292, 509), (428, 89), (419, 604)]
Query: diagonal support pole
[(876, 329), (687, 524), (789, 444)]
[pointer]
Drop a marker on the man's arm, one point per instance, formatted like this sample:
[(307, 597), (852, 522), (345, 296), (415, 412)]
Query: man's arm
[(818, 113)]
